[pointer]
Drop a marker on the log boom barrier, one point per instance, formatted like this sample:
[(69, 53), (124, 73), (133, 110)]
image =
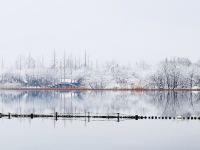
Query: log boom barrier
[(89, 115)]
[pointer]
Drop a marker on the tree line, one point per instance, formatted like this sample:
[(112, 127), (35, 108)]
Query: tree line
[(170, 73)]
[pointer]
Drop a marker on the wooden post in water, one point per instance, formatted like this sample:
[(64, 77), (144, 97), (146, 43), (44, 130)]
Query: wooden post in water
[(117, 117), (88, 116), (8, 115), (136, 117), (56, 116), (31, 116)]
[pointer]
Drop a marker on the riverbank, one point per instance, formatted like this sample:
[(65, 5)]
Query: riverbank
[(96, 89)]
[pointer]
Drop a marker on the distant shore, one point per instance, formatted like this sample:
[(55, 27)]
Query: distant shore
[(96, 89)]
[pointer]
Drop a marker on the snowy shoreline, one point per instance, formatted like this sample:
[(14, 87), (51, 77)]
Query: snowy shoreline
[(97, 89)]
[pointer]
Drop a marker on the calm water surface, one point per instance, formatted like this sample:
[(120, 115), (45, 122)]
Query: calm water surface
[(78, 134)]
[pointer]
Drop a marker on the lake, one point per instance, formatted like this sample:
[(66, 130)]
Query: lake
[(74, 134)]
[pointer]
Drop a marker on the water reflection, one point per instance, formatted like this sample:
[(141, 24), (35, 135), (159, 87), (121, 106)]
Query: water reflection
[(141, 103)]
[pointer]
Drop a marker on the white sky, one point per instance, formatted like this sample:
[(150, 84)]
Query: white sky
[(121, 30)]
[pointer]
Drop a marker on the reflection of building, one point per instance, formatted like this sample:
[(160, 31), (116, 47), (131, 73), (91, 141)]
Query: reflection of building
[(66, 83)]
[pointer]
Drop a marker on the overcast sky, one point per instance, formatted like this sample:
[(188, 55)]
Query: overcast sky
[(121, 30)]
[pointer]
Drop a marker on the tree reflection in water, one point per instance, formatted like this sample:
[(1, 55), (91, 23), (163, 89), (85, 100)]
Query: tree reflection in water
[(160, 103)]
